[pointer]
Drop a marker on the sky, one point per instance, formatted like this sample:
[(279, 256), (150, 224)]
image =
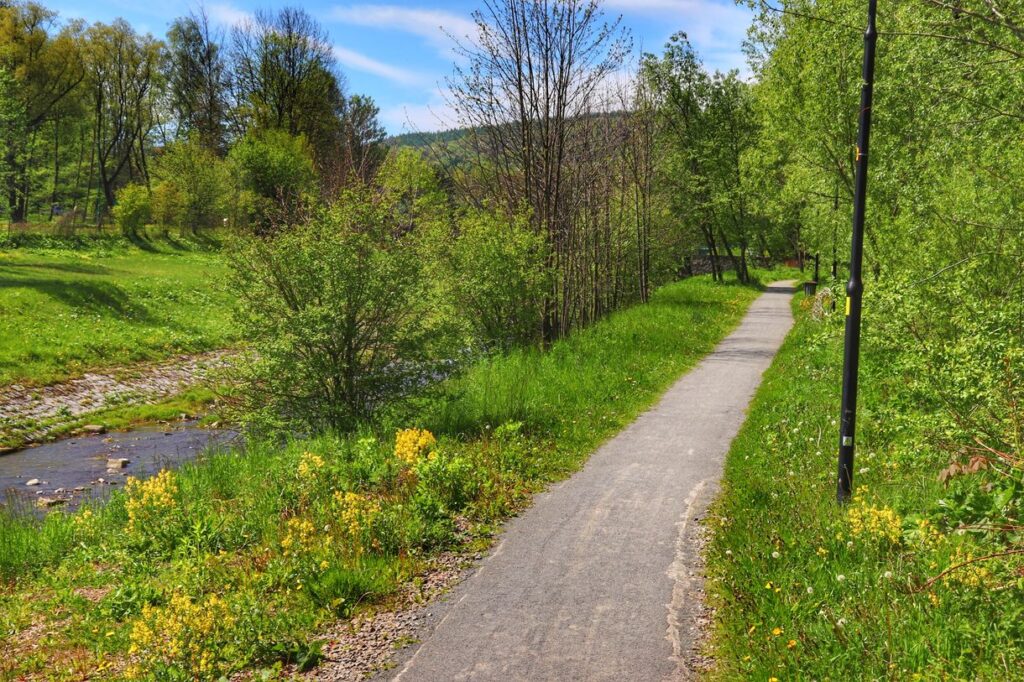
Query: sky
[(399, 52)]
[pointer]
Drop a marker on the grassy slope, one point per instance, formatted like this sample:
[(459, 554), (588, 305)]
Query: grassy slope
[(233, 525), (106, 303), (805, 590)]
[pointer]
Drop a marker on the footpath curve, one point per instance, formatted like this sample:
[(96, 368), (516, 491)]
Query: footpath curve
[(599, 579)]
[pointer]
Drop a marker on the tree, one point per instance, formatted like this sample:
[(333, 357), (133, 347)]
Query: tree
[(530, 82), (681, 89), (198, 81), (362, 145), (121, 67), (46, 70), (285, 78), (277, 170)]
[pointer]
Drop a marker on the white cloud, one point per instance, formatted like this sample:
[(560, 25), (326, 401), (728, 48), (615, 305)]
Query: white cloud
[(360, 62), (438, 27), (226, 14), (418, 117), (717, 29)]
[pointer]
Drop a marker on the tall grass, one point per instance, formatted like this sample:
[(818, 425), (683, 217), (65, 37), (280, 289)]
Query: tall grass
[(805, 589)]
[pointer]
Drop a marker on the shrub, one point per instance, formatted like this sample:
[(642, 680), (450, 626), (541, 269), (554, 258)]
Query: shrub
[(336, 313), (497, 277), (166, 204), (193, 187), (133, 209)]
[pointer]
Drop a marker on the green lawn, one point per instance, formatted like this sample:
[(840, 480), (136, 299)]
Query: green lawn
[(236, 561), (804, 589), (69, 307)]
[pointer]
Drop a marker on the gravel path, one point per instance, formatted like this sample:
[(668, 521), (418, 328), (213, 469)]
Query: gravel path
[(23, 406), (600, 578)]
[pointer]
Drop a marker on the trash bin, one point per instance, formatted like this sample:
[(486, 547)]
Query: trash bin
[(810, 288)]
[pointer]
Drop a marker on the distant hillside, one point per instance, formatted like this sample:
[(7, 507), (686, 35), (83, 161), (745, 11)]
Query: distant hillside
[(419, 140)]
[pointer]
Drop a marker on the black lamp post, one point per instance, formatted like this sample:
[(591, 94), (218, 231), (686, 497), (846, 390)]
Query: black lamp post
[(855, 287)]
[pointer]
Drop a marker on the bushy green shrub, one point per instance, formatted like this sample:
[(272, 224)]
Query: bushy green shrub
[(133, 209), (337, 315), (496, 276), (166, 204)]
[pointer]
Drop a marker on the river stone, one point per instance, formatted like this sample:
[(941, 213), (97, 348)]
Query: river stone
[(94, 428), (32, 481), (49, 501), (116, 463)]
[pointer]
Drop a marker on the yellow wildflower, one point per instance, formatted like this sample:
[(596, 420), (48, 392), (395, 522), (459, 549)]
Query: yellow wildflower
[(309, 465), (875, 523), (149, 500), (412, 444), (968, 574), (356, 513), (185, 634), (299, 536)]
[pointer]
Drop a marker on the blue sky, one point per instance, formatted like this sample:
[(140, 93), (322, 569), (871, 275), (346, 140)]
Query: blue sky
[(397, 52)]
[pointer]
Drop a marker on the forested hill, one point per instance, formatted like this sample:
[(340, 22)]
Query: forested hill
[(420, 140)]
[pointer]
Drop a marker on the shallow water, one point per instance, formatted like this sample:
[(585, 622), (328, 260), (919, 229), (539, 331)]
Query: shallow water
[(74, 470)]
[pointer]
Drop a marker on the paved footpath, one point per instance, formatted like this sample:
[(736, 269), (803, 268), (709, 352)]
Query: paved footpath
[(599, 579)]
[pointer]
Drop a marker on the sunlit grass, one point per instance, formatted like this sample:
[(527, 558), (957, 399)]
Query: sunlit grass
[(804, 589), (69, 307)]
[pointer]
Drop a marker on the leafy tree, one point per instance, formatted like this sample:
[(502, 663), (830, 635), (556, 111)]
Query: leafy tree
[(122, 68), (362, 144), (198, 80), (46, 66), (277, 169), (285, 78)]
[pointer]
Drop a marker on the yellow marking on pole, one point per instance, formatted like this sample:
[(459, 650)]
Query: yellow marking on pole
[(847, 306)]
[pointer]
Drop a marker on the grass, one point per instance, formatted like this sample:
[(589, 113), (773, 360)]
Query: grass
[(70, 305), (276, 541), (804, 589)]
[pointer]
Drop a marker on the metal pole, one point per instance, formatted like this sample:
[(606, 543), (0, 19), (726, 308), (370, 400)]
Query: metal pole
[(855, 287)]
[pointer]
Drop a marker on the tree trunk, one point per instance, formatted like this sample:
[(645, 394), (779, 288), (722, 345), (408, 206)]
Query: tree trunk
[(56, 165)]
